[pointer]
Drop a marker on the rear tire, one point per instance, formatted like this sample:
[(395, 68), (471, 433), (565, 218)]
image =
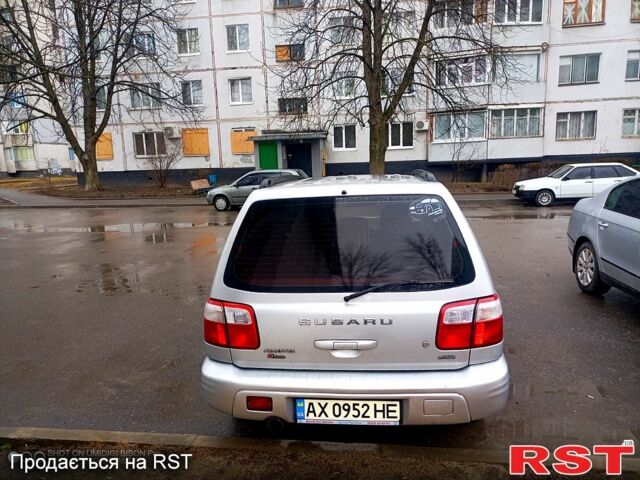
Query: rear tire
[(585, 266), (221, 203), (544, 198)]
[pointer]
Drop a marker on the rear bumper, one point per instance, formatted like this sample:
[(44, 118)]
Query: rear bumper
[(441, 397)]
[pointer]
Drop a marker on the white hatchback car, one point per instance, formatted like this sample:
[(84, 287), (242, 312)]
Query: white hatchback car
[(577, 180), (354, 300)]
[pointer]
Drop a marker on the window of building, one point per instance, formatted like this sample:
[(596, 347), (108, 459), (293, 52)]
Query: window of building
[(518, 11), (635, 10), (15, 129), (290, 53), (192, 92), (576, 125), (460, 126), (577, 69), (292, 105), (188, 41), (9, 43), (147, 144), (145, 96), (15, 100), (8, 73), (195, 142), (515, 122), (582, 12), (288, 3), (461, 71), (392, 79), (400, 135), (519, 67), (101, 98), (342, 30), (20, 154), (345, 87), (451, 13), (631, 122), (104, 147), (344, 137), (143, 44), (237, 38), (240, 143), (633, 65), (6, 13), (240, 89)]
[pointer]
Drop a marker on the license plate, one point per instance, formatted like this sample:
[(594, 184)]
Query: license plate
[(348, 412)]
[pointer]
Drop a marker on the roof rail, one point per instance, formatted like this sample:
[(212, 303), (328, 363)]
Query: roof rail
[(425, 175), (273, 181)]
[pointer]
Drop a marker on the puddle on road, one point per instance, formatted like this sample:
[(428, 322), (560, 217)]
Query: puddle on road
[(113, 228)]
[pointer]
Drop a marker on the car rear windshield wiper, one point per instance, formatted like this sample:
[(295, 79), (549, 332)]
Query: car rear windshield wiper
[(407, 283)]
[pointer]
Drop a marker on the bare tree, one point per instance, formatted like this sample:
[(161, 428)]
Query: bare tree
[(377, 61), (68, 60), (162, 164)]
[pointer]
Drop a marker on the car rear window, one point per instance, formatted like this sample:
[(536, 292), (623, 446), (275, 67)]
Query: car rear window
[(337, 244)]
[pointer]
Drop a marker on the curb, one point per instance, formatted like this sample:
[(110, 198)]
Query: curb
[(8, 200), (463, 455)]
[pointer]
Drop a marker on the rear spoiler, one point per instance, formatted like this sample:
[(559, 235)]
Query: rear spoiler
[(273, 181)]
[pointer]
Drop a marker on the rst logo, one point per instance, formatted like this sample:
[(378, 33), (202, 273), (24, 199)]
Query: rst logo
[(570, 459)]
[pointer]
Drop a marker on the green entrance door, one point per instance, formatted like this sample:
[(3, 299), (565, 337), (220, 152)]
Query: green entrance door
[(268, 155)]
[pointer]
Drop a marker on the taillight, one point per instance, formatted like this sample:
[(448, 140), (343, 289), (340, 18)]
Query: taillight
[(231, 325), (487, 329), (470, 324)]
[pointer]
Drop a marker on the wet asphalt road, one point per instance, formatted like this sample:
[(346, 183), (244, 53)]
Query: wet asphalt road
[(100, 328)]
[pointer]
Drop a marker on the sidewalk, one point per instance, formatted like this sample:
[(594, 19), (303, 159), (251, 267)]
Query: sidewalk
[(22, 199), (33, 200)]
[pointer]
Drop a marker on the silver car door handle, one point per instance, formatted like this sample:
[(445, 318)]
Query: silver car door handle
[(589, 181), (603, 224), (345, 344)]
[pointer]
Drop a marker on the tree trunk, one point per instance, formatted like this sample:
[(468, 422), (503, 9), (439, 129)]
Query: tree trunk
[(377, 147), (91, 180)]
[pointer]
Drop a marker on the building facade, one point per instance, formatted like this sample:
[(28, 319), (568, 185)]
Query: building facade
[(573, 96)]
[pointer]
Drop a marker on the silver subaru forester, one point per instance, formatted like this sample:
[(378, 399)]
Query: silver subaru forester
[(354, 300)]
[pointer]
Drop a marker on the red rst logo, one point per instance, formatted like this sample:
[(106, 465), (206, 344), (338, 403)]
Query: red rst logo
[(571, 460)]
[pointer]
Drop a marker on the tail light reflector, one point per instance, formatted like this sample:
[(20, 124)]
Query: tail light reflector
[(470, 324), (260, 404), (231, 325)]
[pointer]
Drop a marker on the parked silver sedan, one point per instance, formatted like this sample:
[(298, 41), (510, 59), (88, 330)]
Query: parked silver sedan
[(604, 240), (236, 193)]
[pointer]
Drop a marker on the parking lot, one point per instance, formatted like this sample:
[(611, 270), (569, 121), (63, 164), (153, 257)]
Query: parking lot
[(101, 328)]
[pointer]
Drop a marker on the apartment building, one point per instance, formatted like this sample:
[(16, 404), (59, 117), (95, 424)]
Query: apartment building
[(574, 96), (26, 146)]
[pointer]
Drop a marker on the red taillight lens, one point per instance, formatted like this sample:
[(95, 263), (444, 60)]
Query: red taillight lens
[(260, 404), (470, 323), (487, 329), (455, 325), (215, 328), (231, 325)]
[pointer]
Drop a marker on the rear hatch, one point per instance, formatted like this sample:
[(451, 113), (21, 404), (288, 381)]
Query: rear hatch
[(293, 261)]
